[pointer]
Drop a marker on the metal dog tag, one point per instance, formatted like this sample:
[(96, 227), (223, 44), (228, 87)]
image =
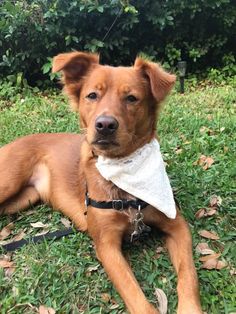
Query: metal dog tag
[(139, 226)]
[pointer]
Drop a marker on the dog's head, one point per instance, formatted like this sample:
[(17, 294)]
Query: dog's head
[(118, 106)]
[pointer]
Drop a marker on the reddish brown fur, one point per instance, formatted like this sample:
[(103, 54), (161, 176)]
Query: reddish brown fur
[(55, 168)]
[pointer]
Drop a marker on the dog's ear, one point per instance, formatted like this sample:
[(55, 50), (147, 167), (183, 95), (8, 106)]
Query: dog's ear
[(74, 65), (160, 81)]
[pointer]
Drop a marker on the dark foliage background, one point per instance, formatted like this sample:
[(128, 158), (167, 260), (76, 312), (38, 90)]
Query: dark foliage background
[(202, 32)]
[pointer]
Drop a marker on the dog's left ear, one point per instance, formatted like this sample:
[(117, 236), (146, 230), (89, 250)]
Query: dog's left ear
[(160, 81), (74, 65)]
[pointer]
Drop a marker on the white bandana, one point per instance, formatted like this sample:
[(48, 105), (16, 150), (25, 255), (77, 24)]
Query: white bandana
[(143, 175)]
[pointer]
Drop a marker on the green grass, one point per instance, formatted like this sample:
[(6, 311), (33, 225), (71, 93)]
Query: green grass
[(58, 273)]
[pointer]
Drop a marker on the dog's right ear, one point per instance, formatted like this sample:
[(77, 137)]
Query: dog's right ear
[(160, 81), (74, 65)]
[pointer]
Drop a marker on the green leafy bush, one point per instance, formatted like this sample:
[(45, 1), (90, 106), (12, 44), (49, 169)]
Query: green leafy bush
[(33, 31)]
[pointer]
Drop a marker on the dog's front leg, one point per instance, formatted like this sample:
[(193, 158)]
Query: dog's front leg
[(107, 235), (179, 245)]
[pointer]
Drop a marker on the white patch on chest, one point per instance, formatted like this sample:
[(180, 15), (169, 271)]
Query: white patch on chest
[(40, 179)]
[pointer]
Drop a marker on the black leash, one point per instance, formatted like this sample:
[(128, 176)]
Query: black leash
[(48, 236)]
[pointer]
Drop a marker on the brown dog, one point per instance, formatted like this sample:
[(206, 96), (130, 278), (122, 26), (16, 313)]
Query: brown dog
[(118, 108)]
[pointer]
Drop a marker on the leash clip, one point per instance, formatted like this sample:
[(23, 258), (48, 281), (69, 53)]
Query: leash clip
[(139, 226)]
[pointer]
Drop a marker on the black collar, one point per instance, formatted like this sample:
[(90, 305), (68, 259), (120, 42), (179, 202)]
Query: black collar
[(115, 204)]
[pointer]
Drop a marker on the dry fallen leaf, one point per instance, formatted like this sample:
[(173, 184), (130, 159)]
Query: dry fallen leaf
[(46, 310), (66, 222), (179, 151), (9, 271), (211, 212), (6, 264), (215, 201), (106, 297), (44, 231), (159, 249), (205, 212), (114, 306), (203, 129), (38, 224), (200, 213), (6, 231), (30, 212), (208, 235), (226, 149), (93, 268), (19, 236), (162, 300), (214, 264), (204, 249), (204, 161), (208, 257)]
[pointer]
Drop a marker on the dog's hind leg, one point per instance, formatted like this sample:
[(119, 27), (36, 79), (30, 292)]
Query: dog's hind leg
[(22, 200), (17, 162)]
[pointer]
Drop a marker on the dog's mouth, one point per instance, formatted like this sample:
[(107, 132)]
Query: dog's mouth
[(105, 143)]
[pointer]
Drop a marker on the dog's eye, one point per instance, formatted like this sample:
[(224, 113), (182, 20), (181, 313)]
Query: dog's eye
[(131, 98), (92, 96)]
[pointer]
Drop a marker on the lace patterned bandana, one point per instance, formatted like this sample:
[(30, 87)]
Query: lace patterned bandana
[(143, 175)]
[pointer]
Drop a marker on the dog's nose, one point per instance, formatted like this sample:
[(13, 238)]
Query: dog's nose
[(106, 125)]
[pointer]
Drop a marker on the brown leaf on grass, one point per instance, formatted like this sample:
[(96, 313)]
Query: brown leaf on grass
[(114, 306), (209, 117), (162, 300), (9, 272), (204, 249), (208, 235), (215, 201), (204, 129), (44, 231), (5, 264), (208, 257), (206, 212), (160, 249), (106, 297), (204, 161), (226, 149), (38, 224), (200, 213), (178, 151), (211, 212), (214, 263), (6, 231), (66, 222), (19, 236), (93, 268), (30, 212), (46, 310), (187, 142)]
